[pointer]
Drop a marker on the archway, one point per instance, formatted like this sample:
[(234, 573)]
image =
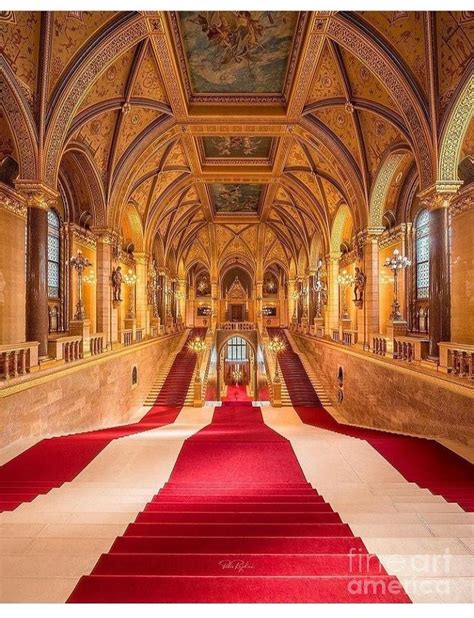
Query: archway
[(236, 352)]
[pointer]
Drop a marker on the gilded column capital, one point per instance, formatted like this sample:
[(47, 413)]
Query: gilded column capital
[(440, 195), (141, 257), (105, 235), (37, 195)]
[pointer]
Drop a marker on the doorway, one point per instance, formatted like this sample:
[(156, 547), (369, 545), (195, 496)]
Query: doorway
[(237, 313), (236, 367)]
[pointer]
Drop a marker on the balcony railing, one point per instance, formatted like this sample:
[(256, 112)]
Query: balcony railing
[(237, 326), (67, 348), (126, 336), (96, 344), (379, 345), (410, 349), (349, 337), (18, 359), (457, 359)]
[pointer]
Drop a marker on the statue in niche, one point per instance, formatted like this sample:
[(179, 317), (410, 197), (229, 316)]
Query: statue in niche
[(117, 284), (359, 285), (320, 288)]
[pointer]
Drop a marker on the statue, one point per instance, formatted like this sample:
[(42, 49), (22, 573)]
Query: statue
[(117, 284), (320, 289), (359, 285)]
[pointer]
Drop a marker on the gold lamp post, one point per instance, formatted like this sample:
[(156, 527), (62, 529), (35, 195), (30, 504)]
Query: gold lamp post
[(344, 280), (79, 262), (130, 279), (198, 346), (276, 346)]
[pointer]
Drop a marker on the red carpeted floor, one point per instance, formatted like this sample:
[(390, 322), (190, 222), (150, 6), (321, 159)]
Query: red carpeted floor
[(54, 461), (422, 461), (238, 522)]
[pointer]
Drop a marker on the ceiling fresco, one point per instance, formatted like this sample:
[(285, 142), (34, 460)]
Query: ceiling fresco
[(236, 198), (237, 52), (237, 147)]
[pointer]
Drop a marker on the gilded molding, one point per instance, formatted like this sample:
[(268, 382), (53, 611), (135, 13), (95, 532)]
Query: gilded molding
[(452, 140), (12, 202), (381, 187)]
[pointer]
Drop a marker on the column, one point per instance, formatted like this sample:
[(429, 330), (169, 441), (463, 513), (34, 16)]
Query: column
[(141, 309), (104, 285), (214, 304), (333, 292), (371, 321), (440, 296), (12, 267), (37, 268), (292, 302), (259, 296)]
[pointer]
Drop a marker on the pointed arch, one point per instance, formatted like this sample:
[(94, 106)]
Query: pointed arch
[(21, 122), (453, 135)]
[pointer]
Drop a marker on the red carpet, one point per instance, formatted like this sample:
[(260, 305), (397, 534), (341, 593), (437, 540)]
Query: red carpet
[(237, 522), (54, 461), (422, 461)]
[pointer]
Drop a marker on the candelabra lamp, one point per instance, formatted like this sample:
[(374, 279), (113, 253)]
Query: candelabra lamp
[(79, 262), (397, 263), (276, 346), (344, 280), (198, 346), (237, 376), (130, 280)]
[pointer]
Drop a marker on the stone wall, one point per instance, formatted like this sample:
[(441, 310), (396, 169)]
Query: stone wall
[(94, 393), (462, 278), (386, 395)]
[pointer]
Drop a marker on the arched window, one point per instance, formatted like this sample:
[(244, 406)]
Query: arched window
[(422, 254), (54, 255), (237, 349)]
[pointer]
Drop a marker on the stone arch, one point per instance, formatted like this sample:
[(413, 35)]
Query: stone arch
[(20, 121), (337, 230), (132, 229), (97, 59), (220, 347), (315, 250), (369, 50), (381, 187), (453, 136), (85, 163)]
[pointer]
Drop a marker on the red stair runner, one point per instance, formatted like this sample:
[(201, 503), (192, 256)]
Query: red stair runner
[(54, 461), (238, 522), (420, 460)]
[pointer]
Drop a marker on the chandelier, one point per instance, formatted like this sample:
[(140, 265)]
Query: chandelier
[(203, 285), (267, 311), (396, 263)]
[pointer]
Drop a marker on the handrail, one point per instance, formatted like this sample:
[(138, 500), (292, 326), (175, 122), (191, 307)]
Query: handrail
[(17, 359), (237, 326), (456, 359)]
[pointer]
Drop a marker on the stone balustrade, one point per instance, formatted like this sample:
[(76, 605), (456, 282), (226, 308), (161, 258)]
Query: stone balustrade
[(139, 334), (96, 344), (126, 336), (17, 359), (410, 349), (335, 335), (237, 326), (67, 348), (379, 345), (349, 337), (456, 359)]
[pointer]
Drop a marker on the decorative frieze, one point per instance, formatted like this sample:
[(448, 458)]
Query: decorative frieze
[(13, 202)]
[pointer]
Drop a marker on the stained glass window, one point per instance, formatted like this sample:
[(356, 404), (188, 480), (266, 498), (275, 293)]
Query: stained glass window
[(237, 349), (54, 254), (422, 248)]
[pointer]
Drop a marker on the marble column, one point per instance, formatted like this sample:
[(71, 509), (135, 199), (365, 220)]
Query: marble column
[(214, 304), (37, 268), (141, 308), (292, 302), (371, 320), (12, 267), (440, 296), (259, 295), (104, 285), (333, 290)]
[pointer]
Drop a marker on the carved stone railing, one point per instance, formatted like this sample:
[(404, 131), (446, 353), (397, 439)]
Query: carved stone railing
[(139, 334), (67, 348), (456, 359), (410, 349), (237, 326), (96, 344), (154, 331), (379, 345), (126, 336), (18, 359), (335, 335), (349, 337)]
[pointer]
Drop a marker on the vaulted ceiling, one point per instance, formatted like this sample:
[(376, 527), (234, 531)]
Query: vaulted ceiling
[(232, 132)]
